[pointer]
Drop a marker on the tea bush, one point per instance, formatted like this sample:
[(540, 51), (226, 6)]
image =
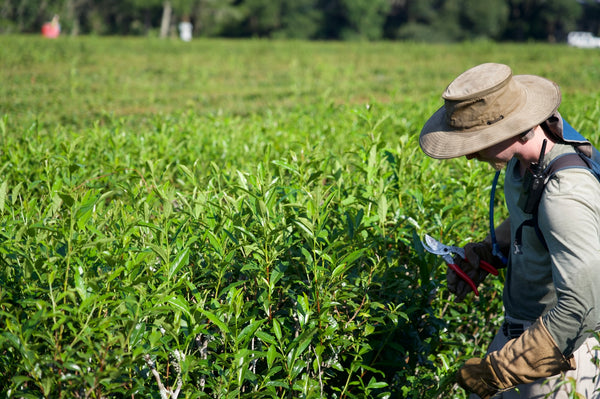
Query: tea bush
[(298, 274)]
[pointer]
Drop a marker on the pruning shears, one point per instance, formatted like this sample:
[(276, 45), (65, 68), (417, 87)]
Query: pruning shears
[(447, 252)]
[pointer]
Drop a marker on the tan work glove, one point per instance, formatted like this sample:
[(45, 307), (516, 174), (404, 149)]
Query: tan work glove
[(522, 360), (475, 252)]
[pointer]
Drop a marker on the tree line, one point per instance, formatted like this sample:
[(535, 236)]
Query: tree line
[(418, 20)]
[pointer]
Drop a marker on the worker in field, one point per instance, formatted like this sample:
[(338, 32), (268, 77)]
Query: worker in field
[(51, 29), (550, 244), (185, 29)]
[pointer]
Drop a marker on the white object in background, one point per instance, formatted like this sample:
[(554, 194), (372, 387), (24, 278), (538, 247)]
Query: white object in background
[(583, 40), (185, 31)]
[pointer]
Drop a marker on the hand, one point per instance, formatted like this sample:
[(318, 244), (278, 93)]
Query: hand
[(475, 253), (522, 360), (477, 376)]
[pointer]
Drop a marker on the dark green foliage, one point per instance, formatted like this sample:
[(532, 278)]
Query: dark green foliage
[(291, 276), (293, 273), (544, 20), (419, 20), (300, 19)]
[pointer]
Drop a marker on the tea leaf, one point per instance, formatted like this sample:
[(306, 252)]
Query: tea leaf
[(180, 261), (213, 318), (180, 304), (3, 191)]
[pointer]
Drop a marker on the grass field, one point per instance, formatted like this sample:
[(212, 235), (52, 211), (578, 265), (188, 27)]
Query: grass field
[(241, 218), (75, 80)]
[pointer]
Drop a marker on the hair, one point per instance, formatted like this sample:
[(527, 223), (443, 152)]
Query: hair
[(552, 127), (528, 135)]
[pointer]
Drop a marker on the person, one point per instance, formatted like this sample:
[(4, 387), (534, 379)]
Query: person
[(185, 29), (51, 29), (551, 292)]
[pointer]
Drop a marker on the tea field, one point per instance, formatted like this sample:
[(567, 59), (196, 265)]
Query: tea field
[(242, 219)]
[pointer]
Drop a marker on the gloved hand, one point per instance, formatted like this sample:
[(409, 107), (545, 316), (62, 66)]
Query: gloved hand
[(475, 252), (522, 360)]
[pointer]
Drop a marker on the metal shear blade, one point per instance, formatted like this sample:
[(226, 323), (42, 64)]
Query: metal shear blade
[(437, 248), (446, 251)]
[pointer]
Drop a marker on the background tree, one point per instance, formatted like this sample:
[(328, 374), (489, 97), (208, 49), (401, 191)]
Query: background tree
[(423, 20), (73, 12), (589, 19), (558, 18), (486, 19), (23, 15), (541, 19), (165, 21), (363, 19), (177, 10), (260, 18), (419, 20), (354, 19), (300, 19), (212, 17)]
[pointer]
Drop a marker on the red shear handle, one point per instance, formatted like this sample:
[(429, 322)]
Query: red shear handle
[(488, 267), (464, 276)]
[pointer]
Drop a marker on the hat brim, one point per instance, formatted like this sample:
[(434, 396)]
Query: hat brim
[(441, 141)]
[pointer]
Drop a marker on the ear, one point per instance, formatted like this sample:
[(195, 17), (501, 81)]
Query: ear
[(525, 137)]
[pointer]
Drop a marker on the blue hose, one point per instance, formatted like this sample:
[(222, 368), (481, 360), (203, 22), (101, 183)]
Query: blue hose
[(495, 249)]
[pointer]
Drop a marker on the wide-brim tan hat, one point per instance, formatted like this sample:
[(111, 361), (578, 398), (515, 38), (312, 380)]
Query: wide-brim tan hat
[(484, 106)]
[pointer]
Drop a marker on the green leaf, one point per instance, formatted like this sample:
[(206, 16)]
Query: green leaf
[(303, 309), (374, 384), (304, 226), (352, 256), (266, 337), (285, 165), (85, 210), (80, 284), (115, 274), (139, 331), (180, 304), (20, 380), (249, 331), (214, 241), (160, 251), (305, 340), (3, 191), (277, 329), (187, 172), (215, 320), (382, 208), (338, 270), (181, 260), (271, 355), (15, 192), (67, 199)]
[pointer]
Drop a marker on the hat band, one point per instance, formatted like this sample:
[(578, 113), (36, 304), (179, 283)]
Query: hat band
[(485, 110)]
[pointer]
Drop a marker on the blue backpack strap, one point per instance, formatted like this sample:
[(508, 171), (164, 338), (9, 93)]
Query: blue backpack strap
[(586, 150), (495, 248), (572, 136)]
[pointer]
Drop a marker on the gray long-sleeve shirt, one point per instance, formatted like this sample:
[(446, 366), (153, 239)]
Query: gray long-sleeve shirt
[(561, 284)]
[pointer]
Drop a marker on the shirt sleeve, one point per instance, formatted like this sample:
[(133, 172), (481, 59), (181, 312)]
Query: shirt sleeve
[(569, 219)]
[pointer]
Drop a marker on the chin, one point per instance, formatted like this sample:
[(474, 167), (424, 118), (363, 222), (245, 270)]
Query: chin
[(499, 165)]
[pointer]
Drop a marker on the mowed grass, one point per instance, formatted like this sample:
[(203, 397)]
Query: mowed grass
[(241, 217), (75, 80)]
